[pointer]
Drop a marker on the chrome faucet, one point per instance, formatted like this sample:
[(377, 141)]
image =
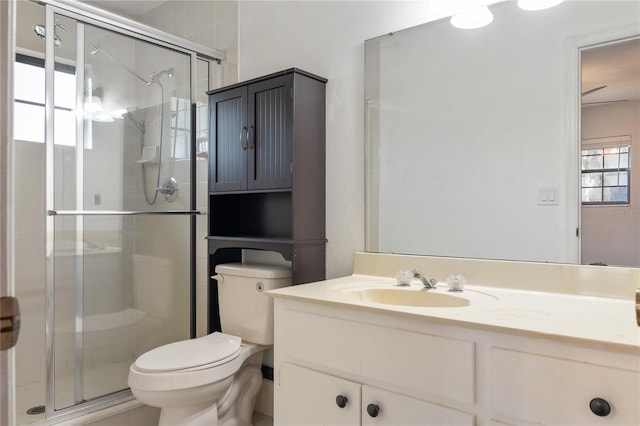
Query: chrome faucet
[(428, 282)]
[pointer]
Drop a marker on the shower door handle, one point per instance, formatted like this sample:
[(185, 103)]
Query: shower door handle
[(9, 322)]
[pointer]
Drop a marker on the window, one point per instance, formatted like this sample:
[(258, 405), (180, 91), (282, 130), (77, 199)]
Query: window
[(180, 127), (605, 174), (29, 92)]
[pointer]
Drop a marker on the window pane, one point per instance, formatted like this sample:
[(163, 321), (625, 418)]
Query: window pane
[(28, 83), (591, 195), (590, 180), (592, 152), (624, 149), (591, 162), (65, 127), (623, 178), (28, 122), (611, 179), (624, 161), (611, 161), (65, 90), (617, 194), (181, 148), (183, 119)]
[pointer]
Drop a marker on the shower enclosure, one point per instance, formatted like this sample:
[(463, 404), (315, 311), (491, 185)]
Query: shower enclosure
[(123, 111)]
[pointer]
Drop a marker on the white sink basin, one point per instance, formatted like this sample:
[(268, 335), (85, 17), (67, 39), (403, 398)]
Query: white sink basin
[(407, 297)]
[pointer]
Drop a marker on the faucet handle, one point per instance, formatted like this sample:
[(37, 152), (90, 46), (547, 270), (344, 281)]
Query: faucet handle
[(404, 277), (456, 282)]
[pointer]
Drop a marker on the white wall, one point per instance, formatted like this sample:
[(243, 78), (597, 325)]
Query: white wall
[(327, 38)]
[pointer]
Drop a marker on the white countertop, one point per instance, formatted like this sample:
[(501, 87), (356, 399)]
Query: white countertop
[(595, 320)]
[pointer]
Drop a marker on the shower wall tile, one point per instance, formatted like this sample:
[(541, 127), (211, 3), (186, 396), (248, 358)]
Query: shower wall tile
[(201, 200), (30, 369), (212, 23), (29, 261), (201, 309), (202, 170)]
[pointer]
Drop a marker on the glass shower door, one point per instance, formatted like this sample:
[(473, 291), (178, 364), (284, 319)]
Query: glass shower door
[(119, 159)]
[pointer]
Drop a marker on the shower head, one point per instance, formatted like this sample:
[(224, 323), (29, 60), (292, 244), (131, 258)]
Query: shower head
[(155, 76), (41, 32)]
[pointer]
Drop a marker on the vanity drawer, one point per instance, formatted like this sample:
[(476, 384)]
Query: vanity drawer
[(420, 363), (555, 391)]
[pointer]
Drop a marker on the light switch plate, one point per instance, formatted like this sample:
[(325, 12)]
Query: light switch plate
[(548, 196)]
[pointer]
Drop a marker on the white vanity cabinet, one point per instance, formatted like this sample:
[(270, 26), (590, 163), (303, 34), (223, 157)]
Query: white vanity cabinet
[(419, 371), (310, 397)]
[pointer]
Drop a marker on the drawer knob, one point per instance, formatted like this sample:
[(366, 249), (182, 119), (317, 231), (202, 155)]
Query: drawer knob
[(341, 401), (600, 407), (373, 410)]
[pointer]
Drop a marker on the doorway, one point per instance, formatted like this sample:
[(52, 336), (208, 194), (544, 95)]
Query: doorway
[(610, 153)]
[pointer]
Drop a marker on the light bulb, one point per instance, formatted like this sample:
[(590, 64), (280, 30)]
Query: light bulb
[(472, 18)]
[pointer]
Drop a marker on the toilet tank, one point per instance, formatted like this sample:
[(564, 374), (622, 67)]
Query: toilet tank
[(245, 311)]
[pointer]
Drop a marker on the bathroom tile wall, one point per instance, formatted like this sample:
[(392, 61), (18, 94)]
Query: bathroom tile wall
[(211, 23)]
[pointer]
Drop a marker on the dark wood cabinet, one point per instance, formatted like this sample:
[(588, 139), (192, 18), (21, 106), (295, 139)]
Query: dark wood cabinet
[(267, 173), (253, 136)]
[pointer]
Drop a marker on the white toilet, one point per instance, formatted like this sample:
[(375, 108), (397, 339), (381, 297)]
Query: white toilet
[(214, 379)]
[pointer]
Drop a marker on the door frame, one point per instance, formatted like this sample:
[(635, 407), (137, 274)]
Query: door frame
[(573, 49)]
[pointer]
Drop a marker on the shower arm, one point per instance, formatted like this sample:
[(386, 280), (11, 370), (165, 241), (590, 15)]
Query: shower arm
[(96, 49)]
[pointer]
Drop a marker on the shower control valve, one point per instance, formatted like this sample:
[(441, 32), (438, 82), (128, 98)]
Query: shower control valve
[(169, 189)]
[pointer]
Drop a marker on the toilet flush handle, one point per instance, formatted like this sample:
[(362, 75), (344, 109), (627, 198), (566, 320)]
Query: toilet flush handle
[(218, 278)]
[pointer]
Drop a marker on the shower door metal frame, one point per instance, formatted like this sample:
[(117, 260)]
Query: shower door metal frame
[(93, 16)]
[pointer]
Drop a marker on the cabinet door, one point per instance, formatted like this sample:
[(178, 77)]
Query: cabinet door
[(380, 407), (229, 140), (306, 397), (548, 390), (270, 115)]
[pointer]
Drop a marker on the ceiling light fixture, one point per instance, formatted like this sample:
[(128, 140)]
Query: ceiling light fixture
[(537, 4), (475, 17)]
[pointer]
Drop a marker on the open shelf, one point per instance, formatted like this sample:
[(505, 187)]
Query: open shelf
[(260, 215), (281, 245)]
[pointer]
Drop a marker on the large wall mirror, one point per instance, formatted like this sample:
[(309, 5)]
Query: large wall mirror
[(481, 143)]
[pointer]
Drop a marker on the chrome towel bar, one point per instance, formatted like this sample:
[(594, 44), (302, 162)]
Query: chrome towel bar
[(122, 213)]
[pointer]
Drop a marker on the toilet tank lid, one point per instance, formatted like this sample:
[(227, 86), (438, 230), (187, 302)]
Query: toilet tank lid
[(254, 270), (191, 353)]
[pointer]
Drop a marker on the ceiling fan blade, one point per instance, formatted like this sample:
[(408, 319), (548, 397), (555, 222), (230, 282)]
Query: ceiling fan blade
[(595, 89), (604, 102)]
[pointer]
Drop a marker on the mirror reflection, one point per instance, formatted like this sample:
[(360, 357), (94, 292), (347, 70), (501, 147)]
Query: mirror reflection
[(476, 139)]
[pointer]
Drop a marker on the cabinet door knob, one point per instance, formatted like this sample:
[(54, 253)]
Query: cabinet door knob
[(341, 401), (373, 410), (600, 407)]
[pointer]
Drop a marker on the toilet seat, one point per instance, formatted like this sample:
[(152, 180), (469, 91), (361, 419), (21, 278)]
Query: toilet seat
[(190, 355), (201, 375)]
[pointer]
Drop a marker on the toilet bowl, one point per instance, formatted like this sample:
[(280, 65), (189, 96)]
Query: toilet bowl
[(214, 379)]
